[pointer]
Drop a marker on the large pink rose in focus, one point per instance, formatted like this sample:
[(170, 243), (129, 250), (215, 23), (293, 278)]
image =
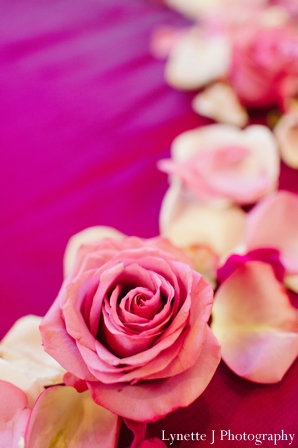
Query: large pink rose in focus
[(265, 64), (131, 321)]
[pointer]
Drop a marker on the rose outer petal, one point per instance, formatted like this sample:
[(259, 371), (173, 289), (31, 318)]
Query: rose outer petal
[(64, 417), (89, 235), (184, 68), (255, 324), (149, 401), (54, 334)]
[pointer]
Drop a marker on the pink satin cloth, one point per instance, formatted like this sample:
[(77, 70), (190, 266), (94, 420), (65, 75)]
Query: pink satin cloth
[(85, 115)]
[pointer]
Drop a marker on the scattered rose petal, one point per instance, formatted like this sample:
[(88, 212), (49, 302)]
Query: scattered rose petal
[(164, 39), (205, 260), (286, 132), (14, 415), (187, 222), (65, 418), (24, 362), (255, 323), (273, 223), (220, 103), (196, 60)]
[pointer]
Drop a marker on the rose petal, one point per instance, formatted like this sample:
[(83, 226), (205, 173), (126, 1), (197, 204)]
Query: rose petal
[(13, 415), (193, 8), (205, 260), (86, 236), (62, 416), (196, 60), (255, 324), (273, 223), (163, 39), (220, 103), (9, 373), (28, 366), (54, 335), (152, 400), (222, 162), (286, 132), (187, 222)]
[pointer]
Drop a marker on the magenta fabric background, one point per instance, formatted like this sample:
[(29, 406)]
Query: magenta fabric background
[(85, 115)]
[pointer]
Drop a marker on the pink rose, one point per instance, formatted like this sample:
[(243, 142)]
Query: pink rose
[(265, 64), (131, 321)]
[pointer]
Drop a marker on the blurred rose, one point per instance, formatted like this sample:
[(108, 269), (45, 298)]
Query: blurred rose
[(223, 162), (265, 64), (131, 321)]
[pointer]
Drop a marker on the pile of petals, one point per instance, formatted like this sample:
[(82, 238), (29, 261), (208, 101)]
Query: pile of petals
[(223, 207)]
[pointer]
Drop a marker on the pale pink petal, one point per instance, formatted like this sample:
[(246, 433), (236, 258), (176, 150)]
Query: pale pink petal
[(163, 40), (273, 223), (152, 400), (196, 60), (193, 8), (24, 361), (9, 373), (255, 324), (186, 222), (14, 415), (221, 162), (205, 260), (220, 103), (196, 8), (286, 132), (86, 236), (64, 417)]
